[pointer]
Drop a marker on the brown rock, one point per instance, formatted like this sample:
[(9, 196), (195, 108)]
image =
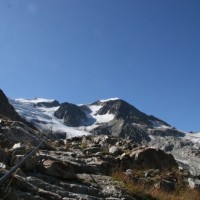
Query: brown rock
[(114, 150), (165, 185), (151, 158), (49, 195), (59, 169), (15, 194), (21, 184)]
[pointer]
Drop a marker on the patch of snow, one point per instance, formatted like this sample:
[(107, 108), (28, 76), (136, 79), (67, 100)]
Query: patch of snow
[(36, 100), (111, 99), (194, 137), (152, 137), (135, 124), (17, 145), (2, 165), (99, 118), (104, 118), (94, 109), (182, 161)]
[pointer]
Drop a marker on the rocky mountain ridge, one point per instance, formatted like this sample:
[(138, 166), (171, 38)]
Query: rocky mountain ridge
[(109, 117)]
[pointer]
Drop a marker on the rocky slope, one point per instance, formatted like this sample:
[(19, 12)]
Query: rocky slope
[(81, 168)]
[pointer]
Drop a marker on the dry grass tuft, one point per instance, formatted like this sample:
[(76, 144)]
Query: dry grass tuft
[(147, 191)]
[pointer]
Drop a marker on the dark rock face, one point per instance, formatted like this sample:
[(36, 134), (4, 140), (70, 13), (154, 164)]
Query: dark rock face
[(152, 118), (14, 132), (167, 132), (3, 156), (121, 129), (103, 129), (167, 186), (8, 111), (59, 169), (48, 104), (71, 114), (138, 135)]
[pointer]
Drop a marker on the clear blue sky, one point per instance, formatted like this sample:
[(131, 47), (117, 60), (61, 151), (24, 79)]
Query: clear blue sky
[(146, 52)]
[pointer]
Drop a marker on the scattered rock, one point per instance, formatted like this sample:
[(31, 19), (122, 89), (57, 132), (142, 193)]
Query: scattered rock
[(58, 169), (167, 186), (114, 150), (49, 195), (194, 183), (91, 150), (152, 173)]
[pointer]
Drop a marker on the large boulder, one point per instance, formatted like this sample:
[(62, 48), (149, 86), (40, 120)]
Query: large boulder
[(151, 158), (20, 132), (29, 165), (58, 169)]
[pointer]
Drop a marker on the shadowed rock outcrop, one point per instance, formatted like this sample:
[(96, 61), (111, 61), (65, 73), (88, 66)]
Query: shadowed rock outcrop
[(71, 114), (8, 111)]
